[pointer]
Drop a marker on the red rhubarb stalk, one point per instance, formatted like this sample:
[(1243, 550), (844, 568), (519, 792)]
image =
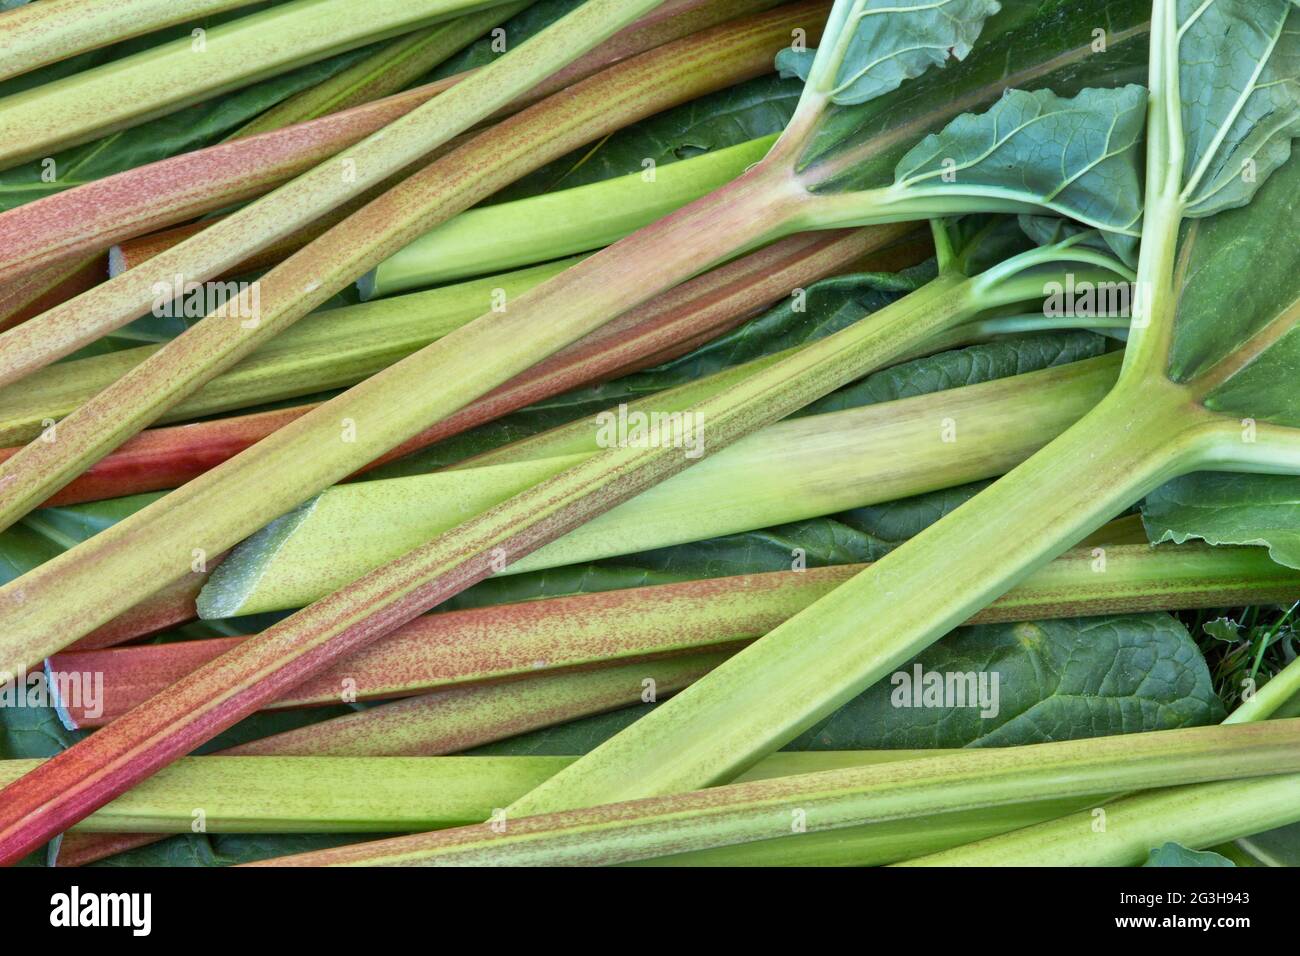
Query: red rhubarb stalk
[(514, 640)]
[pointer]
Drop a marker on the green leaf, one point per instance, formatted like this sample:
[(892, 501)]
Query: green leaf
[(1239, 79), (1064, 45), (1280, 847), (1229, 509), (1247, 352), (1175, 854), (537, 17), (1078, 156), (871, 47), (1057, 680)]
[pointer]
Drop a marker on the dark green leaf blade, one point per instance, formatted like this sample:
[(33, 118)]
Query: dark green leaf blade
[(1239, 79), (1175, 854), (1223, 508), (872, 47), (1078, 157)]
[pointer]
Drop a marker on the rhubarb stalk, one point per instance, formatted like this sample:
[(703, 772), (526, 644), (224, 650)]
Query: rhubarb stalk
[(514, 640), (167, 77), (42, 33), (835, 799)]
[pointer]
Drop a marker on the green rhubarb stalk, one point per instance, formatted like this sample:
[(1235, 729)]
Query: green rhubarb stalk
[(161, 80), (633, 88), (345, 345), (834, 799), (336, 348), (456, 719), (556, 224), (533, 637), (793, 470), (1167, 416), (387, 71), (360, 794), (38, 34), (194, 709)]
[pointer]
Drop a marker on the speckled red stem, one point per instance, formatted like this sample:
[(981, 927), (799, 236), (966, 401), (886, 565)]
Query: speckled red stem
[(445, 722)]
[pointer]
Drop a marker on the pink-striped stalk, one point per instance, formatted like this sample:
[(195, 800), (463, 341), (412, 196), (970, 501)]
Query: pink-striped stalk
[(38, 34), (48, 286), (167, 77), (636, 87), (514, 640), (835, 799), (92, 217), (259, 670), (361, 794), (669, 325), (382, 154), (444, 722)]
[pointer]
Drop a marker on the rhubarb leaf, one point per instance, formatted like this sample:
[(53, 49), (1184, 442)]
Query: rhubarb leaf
[(1229, 509), (1255, 340), (1078, 156), (1064, 45), (1239, 80), (1175, 854), (1280, 847), (871, 47), (1057, 680), (536, 17), (1054, 680)]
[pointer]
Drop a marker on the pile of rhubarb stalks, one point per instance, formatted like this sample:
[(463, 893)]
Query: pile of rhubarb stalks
[(665, 432)]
